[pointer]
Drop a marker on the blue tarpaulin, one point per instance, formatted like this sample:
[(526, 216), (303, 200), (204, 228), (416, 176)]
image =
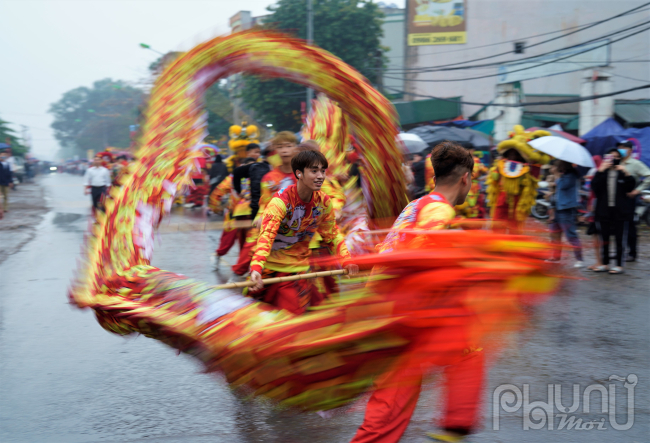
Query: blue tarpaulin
[(607, 134)]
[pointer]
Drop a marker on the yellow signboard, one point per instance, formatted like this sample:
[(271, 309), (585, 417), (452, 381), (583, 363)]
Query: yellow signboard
[(436, 22)]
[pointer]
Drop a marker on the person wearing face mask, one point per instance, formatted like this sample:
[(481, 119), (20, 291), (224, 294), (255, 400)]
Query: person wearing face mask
[(641, 174), (614, 209), (290, 220)]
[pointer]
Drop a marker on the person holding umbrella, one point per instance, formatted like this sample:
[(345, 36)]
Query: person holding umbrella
[(567, 183)]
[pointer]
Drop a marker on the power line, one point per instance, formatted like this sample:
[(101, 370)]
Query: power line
[(522, 69), (522, 60), (519, 105), (511, 41), (549, 40)]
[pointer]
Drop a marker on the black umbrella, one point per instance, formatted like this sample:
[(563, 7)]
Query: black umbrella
[(433, 135)]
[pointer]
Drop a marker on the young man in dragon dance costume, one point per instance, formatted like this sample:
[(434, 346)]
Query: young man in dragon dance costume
[(288, 223), (284, 145), (391, 406)]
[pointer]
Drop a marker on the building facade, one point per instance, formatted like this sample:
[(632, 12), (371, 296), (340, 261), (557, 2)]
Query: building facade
[(517, 30)]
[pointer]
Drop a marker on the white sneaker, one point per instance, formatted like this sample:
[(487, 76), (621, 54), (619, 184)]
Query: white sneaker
[(579, 264)]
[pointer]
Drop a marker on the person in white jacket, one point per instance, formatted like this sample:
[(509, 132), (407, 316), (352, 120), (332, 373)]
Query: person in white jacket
[(97, 179)]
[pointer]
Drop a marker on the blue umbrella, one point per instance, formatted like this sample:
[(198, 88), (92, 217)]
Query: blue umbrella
[(4, 146)]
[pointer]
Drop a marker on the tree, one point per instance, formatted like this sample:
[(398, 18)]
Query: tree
[(350, 29), (95, 118), (8, 136)]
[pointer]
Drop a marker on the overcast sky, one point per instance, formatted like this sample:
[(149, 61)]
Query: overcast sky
[(48, 47)]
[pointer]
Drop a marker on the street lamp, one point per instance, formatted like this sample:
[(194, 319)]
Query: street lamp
[(146, 46)]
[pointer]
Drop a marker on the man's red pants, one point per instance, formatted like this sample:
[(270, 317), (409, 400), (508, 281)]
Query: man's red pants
[(294, 296), (228, 238), (390, 409)]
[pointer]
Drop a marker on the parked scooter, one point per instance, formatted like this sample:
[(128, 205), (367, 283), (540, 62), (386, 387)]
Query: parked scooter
[(542, 206)]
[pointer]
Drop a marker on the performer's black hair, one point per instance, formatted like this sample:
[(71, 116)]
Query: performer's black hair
[(450, 160), (307, 159)]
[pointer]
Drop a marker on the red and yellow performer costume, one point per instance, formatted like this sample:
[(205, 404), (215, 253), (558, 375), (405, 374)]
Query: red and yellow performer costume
[(288, 226), (512, 185), (391, 406), (472, 208), (272, 182), (200, 183), (323, 359), (237, 212)]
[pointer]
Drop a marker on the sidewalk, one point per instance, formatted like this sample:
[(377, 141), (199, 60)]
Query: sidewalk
[(26, 209)]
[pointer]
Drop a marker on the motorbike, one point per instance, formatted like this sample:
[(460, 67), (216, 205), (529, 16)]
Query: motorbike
[(540, 209)]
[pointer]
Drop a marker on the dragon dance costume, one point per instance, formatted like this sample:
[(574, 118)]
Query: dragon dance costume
[(288, 226), (330, 355)]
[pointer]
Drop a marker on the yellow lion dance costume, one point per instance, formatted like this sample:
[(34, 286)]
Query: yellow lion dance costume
[(240, 137), (512, 180)]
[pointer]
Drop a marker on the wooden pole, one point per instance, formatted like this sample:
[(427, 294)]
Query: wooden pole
[(270, 281)]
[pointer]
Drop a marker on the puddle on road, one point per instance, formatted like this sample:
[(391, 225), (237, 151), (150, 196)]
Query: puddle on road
[(68, 221)]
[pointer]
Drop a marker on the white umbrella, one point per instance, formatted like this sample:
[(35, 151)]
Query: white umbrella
[(413, 142), (563, 149)]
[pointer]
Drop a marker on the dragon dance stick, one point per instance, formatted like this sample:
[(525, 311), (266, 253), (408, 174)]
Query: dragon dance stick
[(270, 281)]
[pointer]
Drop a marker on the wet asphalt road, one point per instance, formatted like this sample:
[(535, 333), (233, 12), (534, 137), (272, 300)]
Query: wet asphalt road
[(64, 379)]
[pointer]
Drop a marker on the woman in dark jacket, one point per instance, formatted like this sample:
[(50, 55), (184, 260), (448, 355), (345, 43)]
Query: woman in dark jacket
[(614, 208)]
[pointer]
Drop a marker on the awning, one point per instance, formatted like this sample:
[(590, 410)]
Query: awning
[(633, 111), (422, 111), (568, 121)]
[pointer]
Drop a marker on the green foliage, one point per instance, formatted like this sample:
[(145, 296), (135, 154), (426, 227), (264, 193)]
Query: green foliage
[(9, 136), (350, 29), (97, 117)]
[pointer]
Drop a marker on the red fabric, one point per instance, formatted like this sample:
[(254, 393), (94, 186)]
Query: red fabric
[(197, 194), (502, 213), (228, 239), (245, 256), (390, 409), (294, 296)]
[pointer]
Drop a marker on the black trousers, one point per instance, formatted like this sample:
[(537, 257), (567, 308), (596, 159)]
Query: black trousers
[(96, 193), (632, 239), (620, 230)]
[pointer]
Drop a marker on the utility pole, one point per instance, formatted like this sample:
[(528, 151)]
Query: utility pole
[(27, 140), (310, 40)]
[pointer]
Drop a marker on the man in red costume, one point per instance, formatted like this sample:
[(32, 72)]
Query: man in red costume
[(391, 406), (289, 222), (284, 145)]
